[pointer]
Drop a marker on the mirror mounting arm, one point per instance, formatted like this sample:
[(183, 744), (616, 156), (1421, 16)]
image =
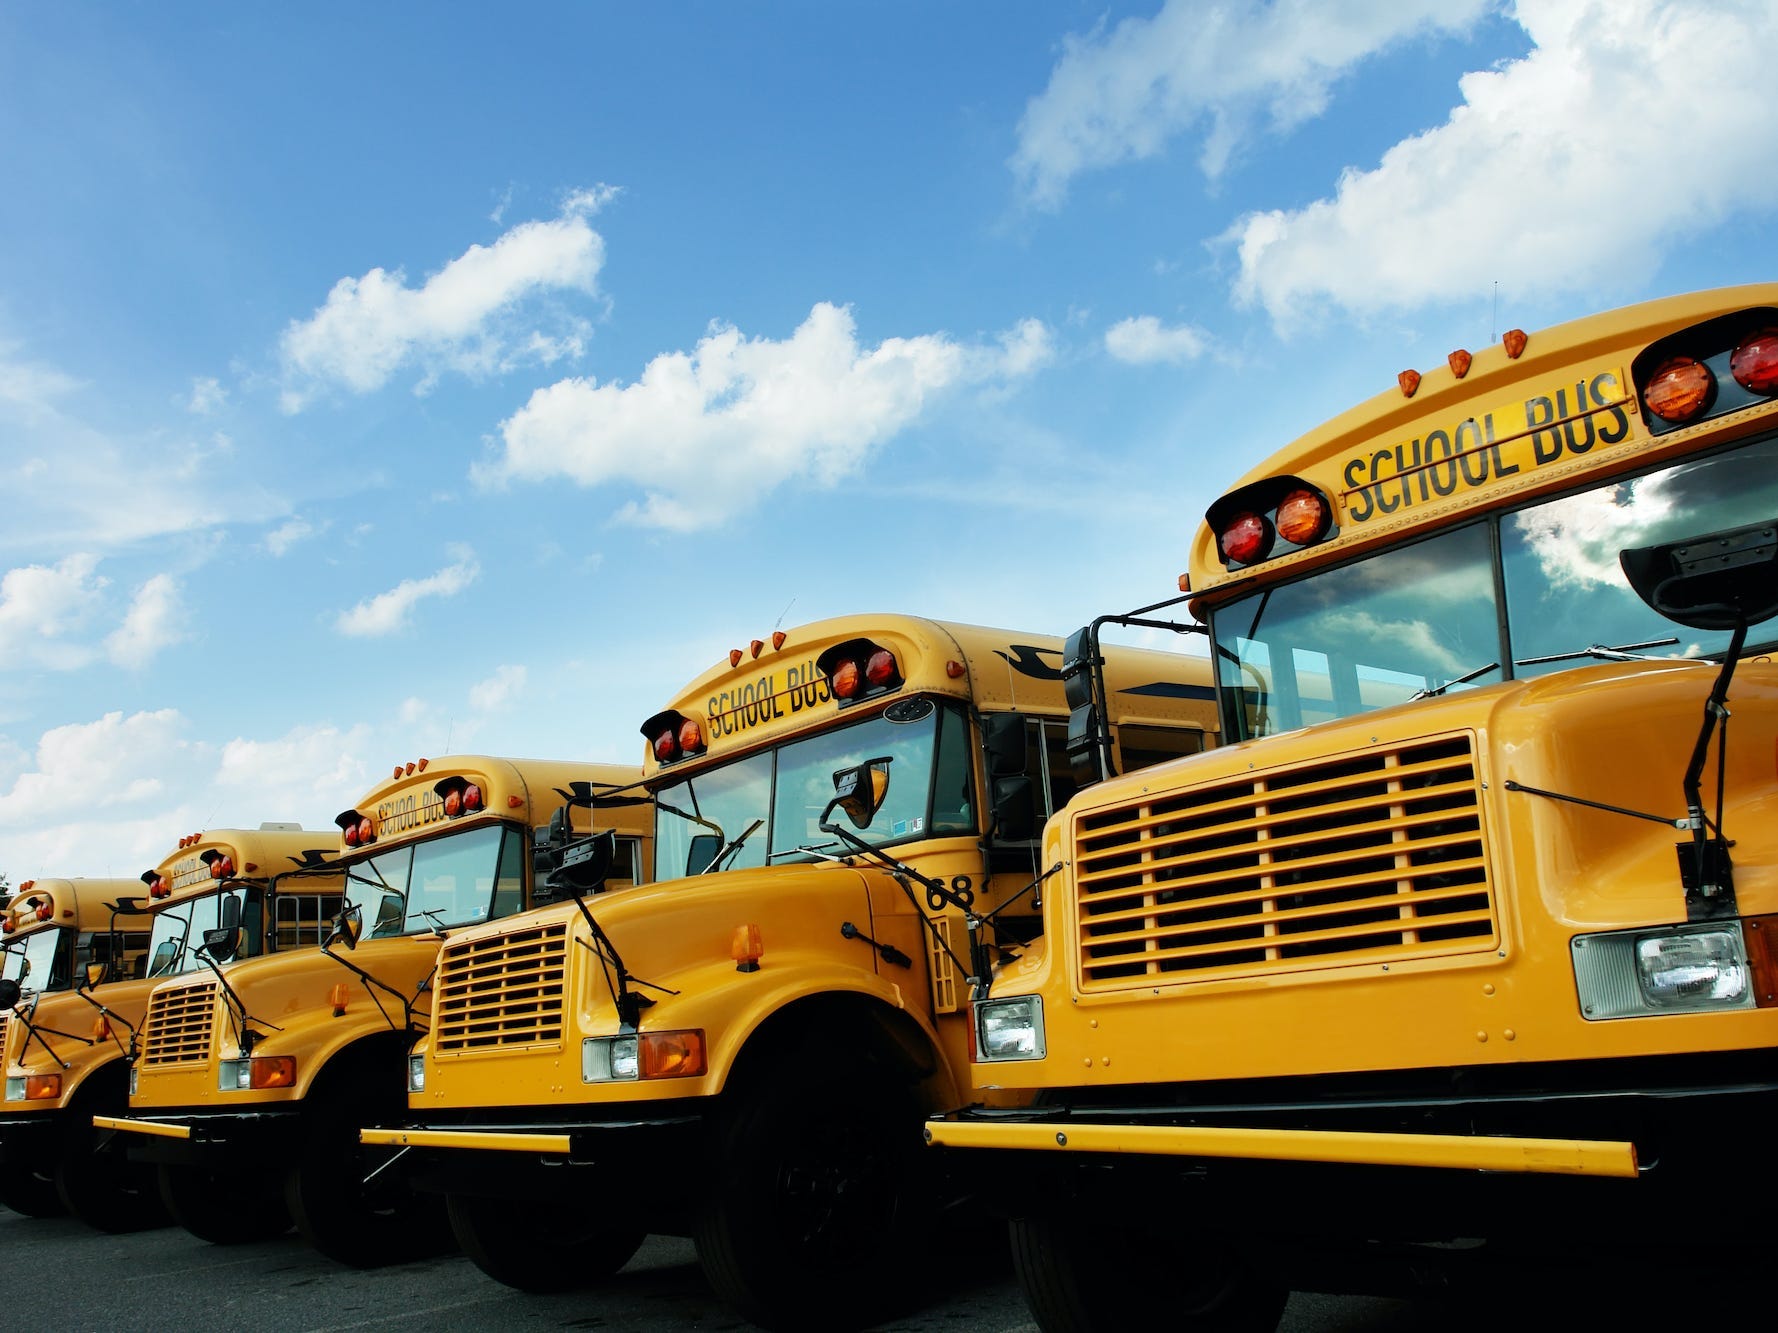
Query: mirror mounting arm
[(373, 984)]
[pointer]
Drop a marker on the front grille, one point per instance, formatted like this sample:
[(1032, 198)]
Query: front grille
[(501, 990), (5, 1016), (177, 1029), (1352, 858)]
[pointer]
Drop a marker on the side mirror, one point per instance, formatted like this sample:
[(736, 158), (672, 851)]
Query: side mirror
[(860, 791), (10, 991), (346, 929), (1014, 809), (229, 911), (703, 850), (166, 953), (1003, 744), (223, 943)]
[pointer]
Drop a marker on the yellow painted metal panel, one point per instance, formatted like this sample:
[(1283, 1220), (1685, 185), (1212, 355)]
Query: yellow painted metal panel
[(463, 1138), (151, 1127)]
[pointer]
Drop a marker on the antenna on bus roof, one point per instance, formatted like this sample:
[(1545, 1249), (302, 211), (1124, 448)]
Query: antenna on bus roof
[(779, 622)]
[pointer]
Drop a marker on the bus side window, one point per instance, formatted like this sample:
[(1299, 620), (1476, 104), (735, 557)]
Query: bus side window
[(1048, 764), (1141, 746), (623, 863), (303, 918)]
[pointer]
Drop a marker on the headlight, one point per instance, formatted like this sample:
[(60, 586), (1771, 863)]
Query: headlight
[(670, 1053), (262, 1071), (15, 1089), (135, 1077), (1009, 1029), (416, 1073), (609, 1059), (1676, 969)]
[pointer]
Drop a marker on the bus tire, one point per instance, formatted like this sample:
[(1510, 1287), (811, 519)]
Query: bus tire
[(541, 1245), (29, 1191), (1085, 1275), (332, 1207), (221, 1207), (816, 1195), (100, 1186)]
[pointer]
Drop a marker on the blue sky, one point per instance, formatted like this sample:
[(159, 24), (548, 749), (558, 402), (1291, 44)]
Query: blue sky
[(377, 380)]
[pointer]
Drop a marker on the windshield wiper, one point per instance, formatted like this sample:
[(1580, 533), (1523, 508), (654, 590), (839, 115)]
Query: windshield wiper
[(1434, 691), (733, 847), (1624, 652), (710, 824)]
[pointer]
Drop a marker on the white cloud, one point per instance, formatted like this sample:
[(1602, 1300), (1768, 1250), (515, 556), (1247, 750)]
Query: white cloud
[(463, 318), (287, 534), (1123, 95), (707, 432), (30, 388), (43, 606), (1145, 341), (389, 611), (151, 624), (308, 768), (85, 767), (498, 690), (1542, 178), (207, 394)]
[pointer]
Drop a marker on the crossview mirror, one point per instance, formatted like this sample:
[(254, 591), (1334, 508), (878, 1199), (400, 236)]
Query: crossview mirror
[(95, 974), (860, 791), (346, 928), (586, 863), (703, 850), (1712, 581), (10, 991), (223, 943)]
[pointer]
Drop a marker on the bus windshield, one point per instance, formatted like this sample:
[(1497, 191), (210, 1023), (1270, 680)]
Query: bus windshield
[(1423, 618), (33, 961), (179, 931), (768, 806), (453, 880)]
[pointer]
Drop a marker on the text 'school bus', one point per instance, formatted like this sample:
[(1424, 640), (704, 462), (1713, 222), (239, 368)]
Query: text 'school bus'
[(251, 1086), (1464, 932), (746, 1054), (64, 1077)]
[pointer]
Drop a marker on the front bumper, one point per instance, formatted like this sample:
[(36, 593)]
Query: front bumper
[(28, 1138), (205, 1138), (535, 1158)]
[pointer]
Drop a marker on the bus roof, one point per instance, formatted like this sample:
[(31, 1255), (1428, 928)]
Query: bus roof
[(253, 854), (414, 800), (85, 904), (1357, 459), (775, 688)]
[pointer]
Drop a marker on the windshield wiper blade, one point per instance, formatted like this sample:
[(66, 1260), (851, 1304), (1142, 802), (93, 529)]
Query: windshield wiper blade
[(1434, 691), (733, 847), (710, 824), (1623, 652)]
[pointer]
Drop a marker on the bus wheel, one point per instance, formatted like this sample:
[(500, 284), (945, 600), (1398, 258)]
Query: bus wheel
[(365, 1226), (542, 1245), (102, 1188), (222, 1207), (30, 1192), (1083, 1275), (813, 1201)]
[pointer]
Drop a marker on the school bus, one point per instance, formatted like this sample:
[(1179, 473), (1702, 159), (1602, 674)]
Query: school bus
[(54, 931), (251, 1086), (69, 1002), (1460, 947), (744, 1054)]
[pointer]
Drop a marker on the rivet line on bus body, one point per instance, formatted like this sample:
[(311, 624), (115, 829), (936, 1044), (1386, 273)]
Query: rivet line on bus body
[(1481, 1037), (1487, 988), (1510, 1035)]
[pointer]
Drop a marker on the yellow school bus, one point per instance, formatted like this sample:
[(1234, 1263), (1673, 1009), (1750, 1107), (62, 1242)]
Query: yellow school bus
[(68, 1051), (745, 1053), (59, 1024), (1460, 945), (252, 1085)]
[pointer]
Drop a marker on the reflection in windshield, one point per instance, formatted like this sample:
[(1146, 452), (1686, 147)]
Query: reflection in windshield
[(788, 788), (1415, 620), (454, 880), (177, 932), (32, 961)]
